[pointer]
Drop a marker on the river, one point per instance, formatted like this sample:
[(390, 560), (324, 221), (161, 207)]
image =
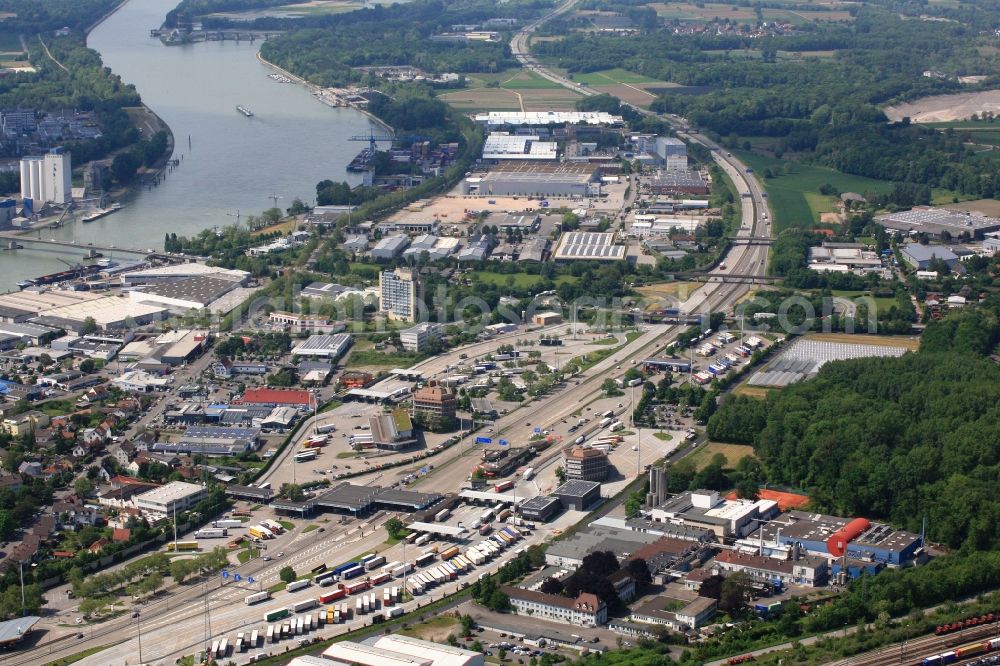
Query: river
[(233, 165)]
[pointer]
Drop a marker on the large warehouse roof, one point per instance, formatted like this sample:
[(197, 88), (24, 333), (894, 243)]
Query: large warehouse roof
[(432, 528), (589, 245), (441, 655), (498, 118), (500, 146), (12, 631)]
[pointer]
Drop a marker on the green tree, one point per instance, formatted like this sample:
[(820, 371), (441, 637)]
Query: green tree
[(396, 529), (287, 574), (83, 487), (89, 326)]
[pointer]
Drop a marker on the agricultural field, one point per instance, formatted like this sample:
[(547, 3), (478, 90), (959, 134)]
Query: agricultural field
[(989, 207), (909, 343), (709, 12), (939, 109), (511, 90), (794, 196), (627, 86)]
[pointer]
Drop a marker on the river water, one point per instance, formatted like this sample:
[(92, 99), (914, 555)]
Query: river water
[(233, 165)]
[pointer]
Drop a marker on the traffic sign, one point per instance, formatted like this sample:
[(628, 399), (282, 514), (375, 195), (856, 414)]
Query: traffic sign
[(538, 430), (250, 579), (504, 442), (484, 440), (237, 578), (225, 574)]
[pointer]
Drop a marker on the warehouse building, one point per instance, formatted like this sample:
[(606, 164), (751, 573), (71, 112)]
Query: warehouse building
[(678, 181), (539, 179), (165, 500), (920, 256), (542, 508), (503, 146), (393, 431), (706, 509), (578, 495), (390, 247), (177, 272), (188, 294), (543, 118), (395, 650), (588, 246), (943, 223), (810, 570), (324, 346)]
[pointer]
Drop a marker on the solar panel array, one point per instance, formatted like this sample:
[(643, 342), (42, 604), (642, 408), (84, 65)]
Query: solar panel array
[(805, 357)]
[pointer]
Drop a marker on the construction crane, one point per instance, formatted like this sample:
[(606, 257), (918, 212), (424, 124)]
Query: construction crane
[(372, 139), (77, 268)]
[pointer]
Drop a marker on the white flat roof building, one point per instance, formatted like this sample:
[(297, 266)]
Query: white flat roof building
[(324, 346), (503, 146), (366, 655), (181, 271), (580, 245), (500, 118), (440, 655), (176, 495)]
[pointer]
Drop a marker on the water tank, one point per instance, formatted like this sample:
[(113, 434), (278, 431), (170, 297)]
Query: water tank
[(836, 545)]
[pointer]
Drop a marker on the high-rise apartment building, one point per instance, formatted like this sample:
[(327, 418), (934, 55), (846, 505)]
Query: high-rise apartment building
[(399, 291)]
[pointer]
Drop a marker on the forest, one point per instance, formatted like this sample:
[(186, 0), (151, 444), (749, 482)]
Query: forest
[(821, 110), (898, 439), (33, 16), (325, 49)]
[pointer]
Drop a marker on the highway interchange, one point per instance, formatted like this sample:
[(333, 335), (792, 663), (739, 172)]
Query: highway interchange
[(178, 624)]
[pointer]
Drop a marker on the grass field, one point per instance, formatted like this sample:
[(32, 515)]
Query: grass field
[(752, 391), (525, 80), (612, 76), (520, 280), (883, 304), (10, 43), (794, 197), (435, 629), (703, 455), (378, 359), (709, 11)]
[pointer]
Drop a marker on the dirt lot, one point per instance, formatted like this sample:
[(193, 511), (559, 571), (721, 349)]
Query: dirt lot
[(989, 207), (631, 93), (945, 108), (887, 340)]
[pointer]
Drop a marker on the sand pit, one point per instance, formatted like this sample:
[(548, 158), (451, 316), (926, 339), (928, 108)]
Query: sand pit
[(946, 108)]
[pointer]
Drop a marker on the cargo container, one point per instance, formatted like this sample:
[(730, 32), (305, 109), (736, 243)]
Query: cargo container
[(389, 567), (240, 644), (257, 598), (511, 532), (449, 553), (297, 585), (305, 455), (259, 532), (617, 425), (337, 618), (426, 579), (424, 559), (502, 486), (214, 650), (353, 572), (331, 615), (227, 523), (438, 576), (304, 605), (528, 473), (386, 597), (393, 612), (373, 601), (355, 587), (503, 515), (415, 585), (300, 626), (344, 567), (449, 571), (274, 526), (325, 580), (402, 570), (276, 614), (332, 596), (223, 647), (486, 517), (270, 634), (421, 540), (485, 529), (374, 562), (442, 515), (605, 422), (380, 578), (254, 638), (361, 605), (475, 556)]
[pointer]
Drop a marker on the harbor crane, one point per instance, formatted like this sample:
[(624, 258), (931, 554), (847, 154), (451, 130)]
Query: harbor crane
[(372, 140)]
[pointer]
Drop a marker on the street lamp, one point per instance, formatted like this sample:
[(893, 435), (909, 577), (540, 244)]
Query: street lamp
[(20, 566)]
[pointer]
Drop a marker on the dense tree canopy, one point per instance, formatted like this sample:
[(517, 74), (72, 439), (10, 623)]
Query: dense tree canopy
[(901, 439)]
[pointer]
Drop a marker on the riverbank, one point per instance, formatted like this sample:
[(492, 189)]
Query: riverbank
[(313, 89)]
